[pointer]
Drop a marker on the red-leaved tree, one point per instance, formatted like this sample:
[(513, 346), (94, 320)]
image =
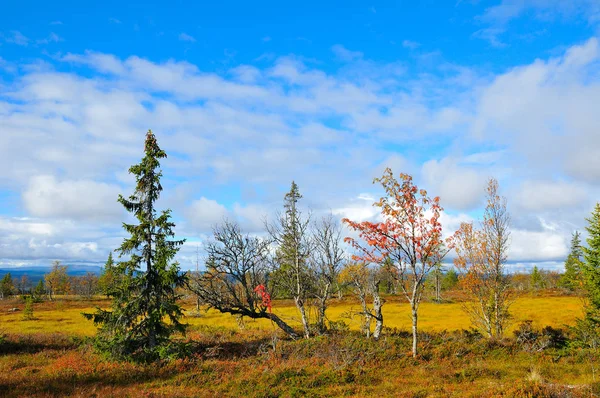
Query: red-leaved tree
[(409, 237)]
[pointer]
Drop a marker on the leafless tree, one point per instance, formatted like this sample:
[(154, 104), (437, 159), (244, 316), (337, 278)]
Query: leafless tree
[(481, 257), (237, 265), (364, 282), (327, 259)]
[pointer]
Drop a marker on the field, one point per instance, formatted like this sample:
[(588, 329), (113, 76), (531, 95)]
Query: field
[(64, 315), (49, 356)]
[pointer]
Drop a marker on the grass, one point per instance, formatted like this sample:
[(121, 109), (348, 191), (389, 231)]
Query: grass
[(64, 316), (46, 357)]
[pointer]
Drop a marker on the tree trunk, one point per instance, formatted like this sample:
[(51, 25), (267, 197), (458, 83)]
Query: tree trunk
[(282, 325), (321, 315), (366, 328), (377, 304), (305, 325), (340, 294), (497, 315), (413, 308), (322, 307), (438, 296)]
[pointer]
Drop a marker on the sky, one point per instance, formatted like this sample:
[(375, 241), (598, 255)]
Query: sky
[(246, 97)]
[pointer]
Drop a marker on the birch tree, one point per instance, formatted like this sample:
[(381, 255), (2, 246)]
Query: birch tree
[(327, 260), (410, 237), (481, 258), (364, 282)]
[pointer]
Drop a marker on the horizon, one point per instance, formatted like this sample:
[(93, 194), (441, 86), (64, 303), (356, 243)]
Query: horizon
[(244, 99)]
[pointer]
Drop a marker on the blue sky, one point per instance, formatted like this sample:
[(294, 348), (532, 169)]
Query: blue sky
[(247, 97)]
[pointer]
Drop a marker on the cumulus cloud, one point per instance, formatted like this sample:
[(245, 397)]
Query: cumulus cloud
[(537, 245), (547, 195), (459, 187), (105, 63), (331, 131), (45, 196), (526, 110), (39, 241), (359, 209), (205, 213)]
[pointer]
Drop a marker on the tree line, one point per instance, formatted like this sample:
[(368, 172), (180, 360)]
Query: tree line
[(56, 282), (304, 258)]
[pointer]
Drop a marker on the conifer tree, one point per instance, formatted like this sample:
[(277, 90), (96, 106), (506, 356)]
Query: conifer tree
[(450, 279), (40, 290), (587, 330), (572, 278), (108, 279), (144, 312), (536, 279), (28, 311), (291, 233), (591, 266), (6, 286)]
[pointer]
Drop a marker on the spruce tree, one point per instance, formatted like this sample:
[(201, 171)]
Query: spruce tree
[(144, 313), (28, 311), (6, 286), (292, 235), (591, 266), (108, 279), (572, 278), (40, 290), (536, 279)]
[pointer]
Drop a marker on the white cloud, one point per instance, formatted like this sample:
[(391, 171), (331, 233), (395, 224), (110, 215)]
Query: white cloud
[(492, 35), (185, 37), (17, 38), (105, 63), (332, 131), (246, 73), (542, 9), (548, 195), (204, 213), (359, 209), (459, 187), (344, 54), (451, 222), (498, 17), (34, 241), (410, 44), (537, 245), (45, 196), (52, 38), (525, 109)]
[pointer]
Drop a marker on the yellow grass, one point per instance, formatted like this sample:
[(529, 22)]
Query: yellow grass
[(63, 318), (41, 359)]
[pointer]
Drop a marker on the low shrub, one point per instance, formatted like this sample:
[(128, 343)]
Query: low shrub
[(530, 339)]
